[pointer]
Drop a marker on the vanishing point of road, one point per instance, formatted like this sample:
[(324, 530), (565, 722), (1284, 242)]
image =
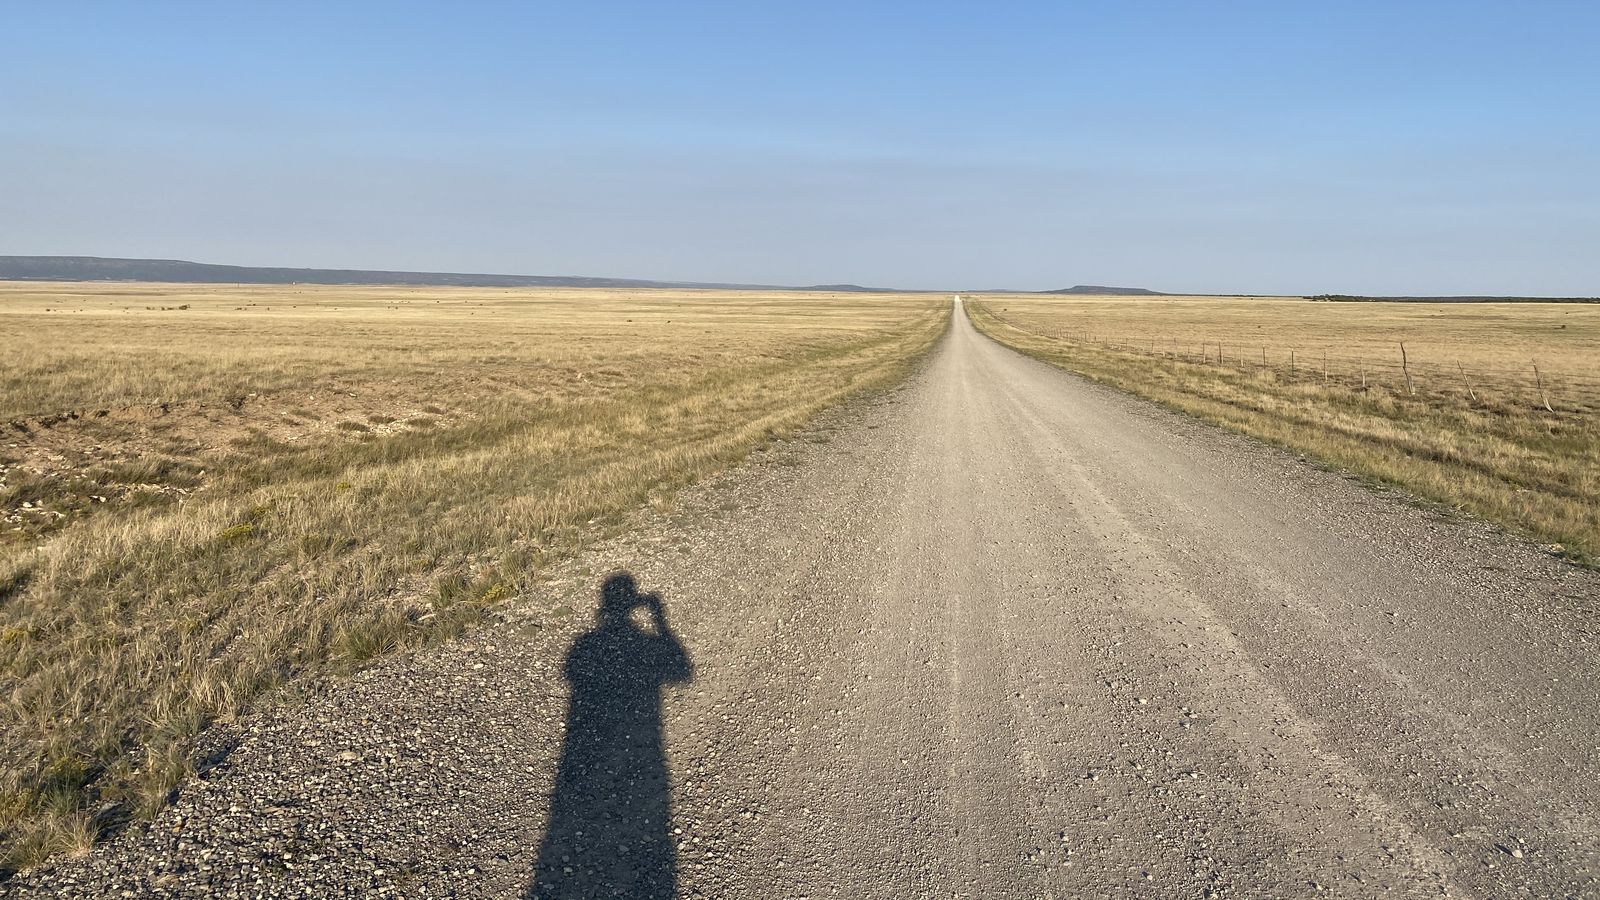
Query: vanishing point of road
[(1000, 632)]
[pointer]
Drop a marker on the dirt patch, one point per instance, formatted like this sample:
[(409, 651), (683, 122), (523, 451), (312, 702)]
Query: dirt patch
[(58, 469)]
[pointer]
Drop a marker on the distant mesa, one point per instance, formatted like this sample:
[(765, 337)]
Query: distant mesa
[(1104, 290), (98, 268)]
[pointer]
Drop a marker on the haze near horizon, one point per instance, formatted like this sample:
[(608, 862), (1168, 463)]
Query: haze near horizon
[(1434, 149)]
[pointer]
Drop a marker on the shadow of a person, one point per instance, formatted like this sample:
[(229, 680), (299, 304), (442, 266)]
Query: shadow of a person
[(610, 812)]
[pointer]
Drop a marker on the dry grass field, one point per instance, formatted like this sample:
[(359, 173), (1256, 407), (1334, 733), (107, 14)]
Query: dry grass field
[(1462, 419), (207, 490)]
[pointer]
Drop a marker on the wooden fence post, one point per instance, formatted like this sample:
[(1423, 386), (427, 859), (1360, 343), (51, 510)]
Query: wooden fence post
[(1406, 369), (1291, 362), (1467, 381), (1542, 395)]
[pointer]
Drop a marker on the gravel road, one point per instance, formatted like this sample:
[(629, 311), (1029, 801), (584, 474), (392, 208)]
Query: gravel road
[(1000, 632)]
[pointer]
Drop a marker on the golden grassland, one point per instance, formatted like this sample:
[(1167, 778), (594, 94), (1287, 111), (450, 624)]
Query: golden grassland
[(1464, 421), (209, 490)]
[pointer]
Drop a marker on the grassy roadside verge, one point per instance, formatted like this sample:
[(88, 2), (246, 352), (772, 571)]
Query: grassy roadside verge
[(1532, 470), (438, 460)]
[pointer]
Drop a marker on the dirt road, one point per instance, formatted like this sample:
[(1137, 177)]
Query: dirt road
[(998, 633)]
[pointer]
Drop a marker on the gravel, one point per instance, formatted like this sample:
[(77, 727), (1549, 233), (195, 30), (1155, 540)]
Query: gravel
[(1000, 632)]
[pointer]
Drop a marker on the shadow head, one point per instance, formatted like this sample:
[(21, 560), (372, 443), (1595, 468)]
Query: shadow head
[(620, 596)]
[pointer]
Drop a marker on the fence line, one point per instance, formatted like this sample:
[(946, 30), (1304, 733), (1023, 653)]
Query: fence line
[(1403, 371)]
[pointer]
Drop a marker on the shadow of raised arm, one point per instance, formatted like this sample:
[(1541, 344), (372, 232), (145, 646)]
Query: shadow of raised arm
[(610, 810)]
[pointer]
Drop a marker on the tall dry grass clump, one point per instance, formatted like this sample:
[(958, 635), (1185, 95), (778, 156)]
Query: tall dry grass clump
[(297, 479)]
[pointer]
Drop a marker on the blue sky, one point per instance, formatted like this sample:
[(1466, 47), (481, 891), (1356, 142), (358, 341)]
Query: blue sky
[(1259, 147)]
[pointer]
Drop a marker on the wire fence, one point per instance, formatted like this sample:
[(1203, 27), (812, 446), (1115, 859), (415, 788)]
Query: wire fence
[(1402, 369)]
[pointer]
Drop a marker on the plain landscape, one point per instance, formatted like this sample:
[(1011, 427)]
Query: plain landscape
[(824, 451), (206, 491), (533, 593), (1492, 408)]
